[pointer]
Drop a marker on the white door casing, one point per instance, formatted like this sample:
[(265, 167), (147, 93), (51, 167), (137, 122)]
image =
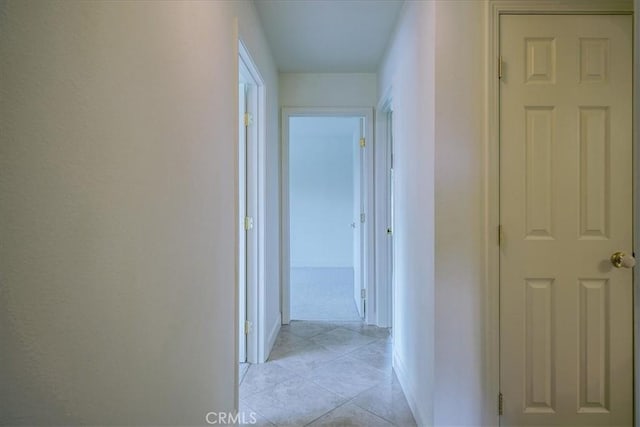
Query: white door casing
[(565, 206), (242, 235), (251, 193), (383, 211), (390, 217), (355, 225), (367, 252), (359, 226)]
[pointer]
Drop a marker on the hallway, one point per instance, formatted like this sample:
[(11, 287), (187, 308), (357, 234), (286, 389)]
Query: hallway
[(121, 221), (325, 373)]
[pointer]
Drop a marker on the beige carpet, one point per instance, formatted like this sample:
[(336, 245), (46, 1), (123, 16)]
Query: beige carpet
[(323, 294)]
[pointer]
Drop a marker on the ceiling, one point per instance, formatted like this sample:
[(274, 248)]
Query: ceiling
[(328, 36)]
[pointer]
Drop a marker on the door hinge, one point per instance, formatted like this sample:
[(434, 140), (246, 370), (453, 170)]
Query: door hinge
[(500, 235), (247, 327), (248, 119), (363, 293), (363, 218), (500, 404), (500, 67), (363, 142), (248, 222)]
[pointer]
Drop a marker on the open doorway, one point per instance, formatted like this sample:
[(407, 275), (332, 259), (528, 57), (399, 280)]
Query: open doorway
[(324, 211), (390, 208), (325, 203), (384, 220)]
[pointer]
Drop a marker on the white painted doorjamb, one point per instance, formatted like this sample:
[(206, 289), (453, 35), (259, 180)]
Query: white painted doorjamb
[(492, 178), (242, 201), (256, 134), (384, 288), (236, 215), (636, 211), (285, 257)]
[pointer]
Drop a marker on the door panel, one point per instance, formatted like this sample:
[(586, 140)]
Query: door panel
[(565, 207), (359, 188), (242, 234), (391, 218), (357, 226)]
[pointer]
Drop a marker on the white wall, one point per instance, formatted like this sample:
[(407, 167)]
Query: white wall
[(409, 70), (321, 196), (328, 90), (459, 189), (437, 75), (117, 221)]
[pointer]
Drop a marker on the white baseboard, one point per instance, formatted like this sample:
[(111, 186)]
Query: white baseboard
[(271, 338), (409, 390)]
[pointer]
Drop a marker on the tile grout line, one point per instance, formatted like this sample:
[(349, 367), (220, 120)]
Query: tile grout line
[(304, 342), (350, 400), (294, 375), (262, 415), (369, 411), (331, 410)]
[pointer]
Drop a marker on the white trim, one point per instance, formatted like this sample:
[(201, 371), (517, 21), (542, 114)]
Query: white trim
[(406, 384), (236, 247), (492, 170), (559, 7), (242, 259), (636, 210), (285, 243), (263, 346), (369, 260), (384, 288), (273, 333), (257, 350)]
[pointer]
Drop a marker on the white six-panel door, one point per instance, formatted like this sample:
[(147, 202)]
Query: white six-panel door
[(566, 338)]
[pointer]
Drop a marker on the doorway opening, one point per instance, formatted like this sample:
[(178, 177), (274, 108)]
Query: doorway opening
[(390, 207), (326, 232), (384, 227), (324, 211)]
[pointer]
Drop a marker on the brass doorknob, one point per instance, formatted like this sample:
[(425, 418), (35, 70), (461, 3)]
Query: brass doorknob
[(620, 259)]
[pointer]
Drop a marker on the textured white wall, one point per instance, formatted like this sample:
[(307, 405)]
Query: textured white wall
[(459, 223), (321, 197), (116, 161), (437, 77), (409, 71), (328, 90)]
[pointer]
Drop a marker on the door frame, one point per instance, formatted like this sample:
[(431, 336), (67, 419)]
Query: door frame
[(256, 347), (492, 179), (285, 255), (383, 254), (242, 207)]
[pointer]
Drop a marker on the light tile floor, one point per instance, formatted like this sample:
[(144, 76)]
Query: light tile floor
[(325, 374)]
